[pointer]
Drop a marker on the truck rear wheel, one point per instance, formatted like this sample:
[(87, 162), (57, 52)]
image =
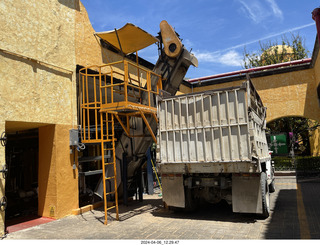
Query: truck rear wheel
[(265, 196)]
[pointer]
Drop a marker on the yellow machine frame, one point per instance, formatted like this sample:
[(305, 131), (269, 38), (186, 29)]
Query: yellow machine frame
[(113, 91)]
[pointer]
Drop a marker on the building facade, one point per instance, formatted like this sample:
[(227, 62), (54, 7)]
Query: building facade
[(42, 44)]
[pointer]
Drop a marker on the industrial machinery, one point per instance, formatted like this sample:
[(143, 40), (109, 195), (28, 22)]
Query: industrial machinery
[(118, 103)]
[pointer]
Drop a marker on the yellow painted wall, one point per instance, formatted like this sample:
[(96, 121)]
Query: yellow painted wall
[(287, 94), (183, 90), (58, 194), (32, 90), (37, 81), (88, 51), (315, 138), (317, 66)]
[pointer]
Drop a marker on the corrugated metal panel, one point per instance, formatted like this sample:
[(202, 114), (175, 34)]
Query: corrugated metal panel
[(214, 126)]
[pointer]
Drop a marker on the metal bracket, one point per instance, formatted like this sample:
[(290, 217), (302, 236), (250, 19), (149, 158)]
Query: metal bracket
[(4, 171), (3, 139), (3, 203)]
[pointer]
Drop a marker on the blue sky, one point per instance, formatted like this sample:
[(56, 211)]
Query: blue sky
[(216, 30)]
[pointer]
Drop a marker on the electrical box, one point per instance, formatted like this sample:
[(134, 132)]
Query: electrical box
[(74, 139)]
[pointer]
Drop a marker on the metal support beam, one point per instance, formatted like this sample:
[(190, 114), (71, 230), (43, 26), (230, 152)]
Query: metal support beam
[(122, 125), (148, 126)]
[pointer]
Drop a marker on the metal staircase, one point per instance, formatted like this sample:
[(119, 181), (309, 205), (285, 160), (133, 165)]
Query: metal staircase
[(111, 96)]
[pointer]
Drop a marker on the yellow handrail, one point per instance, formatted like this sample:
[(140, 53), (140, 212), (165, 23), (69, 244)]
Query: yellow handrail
[(100, 90)]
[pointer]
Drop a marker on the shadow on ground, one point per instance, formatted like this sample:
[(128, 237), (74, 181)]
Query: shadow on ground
[(215, 212), (132, 209), (205, 211), (292, 221), (284, 223)]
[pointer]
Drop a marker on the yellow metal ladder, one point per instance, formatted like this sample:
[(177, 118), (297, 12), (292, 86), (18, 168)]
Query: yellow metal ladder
[(108, 141)]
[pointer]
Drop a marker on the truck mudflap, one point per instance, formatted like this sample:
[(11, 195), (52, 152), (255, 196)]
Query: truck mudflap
[(246, 193), (173, 190)]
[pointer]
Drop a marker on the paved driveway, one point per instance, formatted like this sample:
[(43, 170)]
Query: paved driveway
[(295, 214)]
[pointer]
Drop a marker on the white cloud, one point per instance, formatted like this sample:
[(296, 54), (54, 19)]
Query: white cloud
[(266, 37), (253, 10), (230, 58), (276, 10), (258, 10)]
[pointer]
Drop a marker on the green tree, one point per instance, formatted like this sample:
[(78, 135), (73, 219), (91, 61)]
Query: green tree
[(271, 52)]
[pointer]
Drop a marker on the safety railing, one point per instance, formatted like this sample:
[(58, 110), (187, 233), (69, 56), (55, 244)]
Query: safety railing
[(120, 86)]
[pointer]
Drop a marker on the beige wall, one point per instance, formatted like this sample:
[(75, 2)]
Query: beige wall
[(317, 65), (315, 137), (286, 94), (42, 88), (37, 81)]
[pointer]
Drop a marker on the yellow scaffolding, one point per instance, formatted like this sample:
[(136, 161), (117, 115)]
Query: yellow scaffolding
[(118, 90)]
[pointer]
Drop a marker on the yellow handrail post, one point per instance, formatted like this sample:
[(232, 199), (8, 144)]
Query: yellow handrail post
[(111, 88), (87, 104), (149, 87), (126, 76), (83, 118)]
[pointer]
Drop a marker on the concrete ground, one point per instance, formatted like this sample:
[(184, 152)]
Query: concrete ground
[(295, 214)]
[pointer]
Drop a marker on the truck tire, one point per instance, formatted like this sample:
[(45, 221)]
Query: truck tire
[(265, 195)]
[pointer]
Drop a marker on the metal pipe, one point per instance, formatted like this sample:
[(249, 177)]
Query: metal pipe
[(268, 67), (316, 18)]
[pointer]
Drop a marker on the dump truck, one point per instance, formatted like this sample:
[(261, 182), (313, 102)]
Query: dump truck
[(212, 146)]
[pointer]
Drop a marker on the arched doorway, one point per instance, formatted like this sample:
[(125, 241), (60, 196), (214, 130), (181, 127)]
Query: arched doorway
[(295, 143)]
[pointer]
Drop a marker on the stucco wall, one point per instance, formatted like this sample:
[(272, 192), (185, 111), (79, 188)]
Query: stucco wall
[(88, 51), (286, 94), (34, 90), (289, 94), (58, 192), (37, 71), (315, 137)]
